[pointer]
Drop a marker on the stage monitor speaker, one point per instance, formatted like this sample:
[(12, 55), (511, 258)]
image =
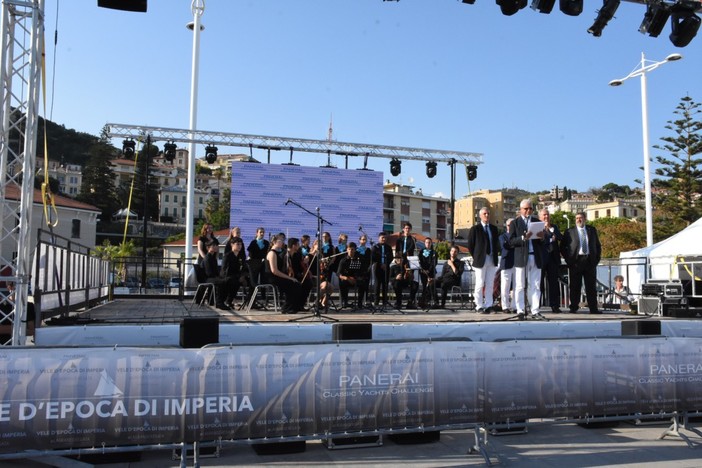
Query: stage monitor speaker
[(352, 331), (649, 306), (124, 5), (641, 328), (198, 332)]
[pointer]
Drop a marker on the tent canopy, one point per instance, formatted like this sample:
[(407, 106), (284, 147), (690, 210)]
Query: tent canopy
[(685, 243)]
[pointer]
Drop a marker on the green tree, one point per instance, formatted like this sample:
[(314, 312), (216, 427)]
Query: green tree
[(98, 185), (145, 153), (217, 212), (443, 249), (619, 235), (680, 183)]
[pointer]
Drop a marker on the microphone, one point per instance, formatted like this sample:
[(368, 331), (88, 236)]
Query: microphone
[(360, 228), (287, 202)]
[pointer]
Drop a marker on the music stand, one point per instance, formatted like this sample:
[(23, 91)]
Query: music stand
[(316, 312)]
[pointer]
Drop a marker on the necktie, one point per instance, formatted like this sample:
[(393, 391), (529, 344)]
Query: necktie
[(382, 254), (583, 241), (487, 236), (404, 246)]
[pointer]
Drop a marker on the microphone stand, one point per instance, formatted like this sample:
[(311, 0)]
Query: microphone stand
[(316, 312)]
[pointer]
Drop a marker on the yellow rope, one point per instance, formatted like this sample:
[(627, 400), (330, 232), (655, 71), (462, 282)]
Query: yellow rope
[(47, 197), (131, 192)]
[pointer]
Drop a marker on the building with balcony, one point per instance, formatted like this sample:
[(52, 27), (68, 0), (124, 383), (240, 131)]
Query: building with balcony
[(428, 215), (503, 204)]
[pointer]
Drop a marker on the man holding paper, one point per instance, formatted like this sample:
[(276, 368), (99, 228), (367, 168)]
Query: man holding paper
[(526, 234)]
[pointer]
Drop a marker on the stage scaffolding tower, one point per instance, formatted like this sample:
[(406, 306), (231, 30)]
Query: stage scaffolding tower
[(22, 32)]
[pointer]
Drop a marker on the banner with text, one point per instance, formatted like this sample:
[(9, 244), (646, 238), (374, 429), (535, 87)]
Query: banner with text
[(61, 398)]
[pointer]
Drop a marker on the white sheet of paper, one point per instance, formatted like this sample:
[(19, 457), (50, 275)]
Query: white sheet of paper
[(413, 261), (536, 227)]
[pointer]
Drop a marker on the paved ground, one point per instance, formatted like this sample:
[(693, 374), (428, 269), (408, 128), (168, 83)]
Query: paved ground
[(545, 445)]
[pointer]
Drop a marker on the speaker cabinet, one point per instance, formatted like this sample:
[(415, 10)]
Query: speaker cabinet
[(650, 306), (641, 328), (352, 331), (198, 332), (124, 5)]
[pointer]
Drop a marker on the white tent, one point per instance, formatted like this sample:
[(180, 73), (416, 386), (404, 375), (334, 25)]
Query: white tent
[(663, 256), (123, 213)]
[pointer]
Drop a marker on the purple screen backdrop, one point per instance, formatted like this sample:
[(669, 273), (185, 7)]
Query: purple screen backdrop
[(346, 198)]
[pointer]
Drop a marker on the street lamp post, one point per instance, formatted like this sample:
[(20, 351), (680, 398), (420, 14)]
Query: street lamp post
[(198, 8), (641, 71), (567, 220)]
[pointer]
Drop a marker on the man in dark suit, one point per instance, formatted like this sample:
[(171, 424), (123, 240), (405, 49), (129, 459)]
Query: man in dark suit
[(551, 262), (381, 256), (405, 244), (527, 260), (581, 250), (483, 243)]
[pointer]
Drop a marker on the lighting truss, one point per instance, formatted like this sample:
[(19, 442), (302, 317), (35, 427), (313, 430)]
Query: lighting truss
[(299, 145)]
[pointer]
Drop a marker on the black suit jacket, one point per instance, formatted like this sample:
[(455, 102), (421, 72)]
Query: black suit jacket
[(478, 241), (411, 242), (571, 245), (517, 231), (552, 246)]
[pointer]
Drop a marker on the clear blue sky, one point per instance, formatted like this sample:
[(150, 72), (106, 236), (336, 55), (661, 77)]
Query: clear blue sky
[(528, 91)]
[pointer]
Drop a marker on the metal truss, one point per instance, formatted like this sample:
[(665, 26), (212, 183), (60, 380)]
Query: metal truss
[(22, 42), (295, 144)]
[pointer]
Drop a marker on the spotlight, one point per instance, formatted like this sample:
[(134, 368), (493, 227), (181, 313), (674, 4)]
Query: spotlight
[(128, 146), (654, 19), (138, 6), (395, 167), (431, 169), (210, 154), (684, 24), (470, 2), (471, 172), (606, 13), (510, 7), (543, 6), (169, 151), (571, 7)]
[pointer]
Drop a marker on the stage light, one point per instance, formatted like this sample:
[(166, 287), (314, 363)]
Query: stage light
[(510, 7), (684, 24), (128, 146), (138, 6), (395, 167), (471, 172), (606, 13), (169, 151), (655, 19), (210, 154), (543, 6), (571, 7), (470, 2), (431, 169)]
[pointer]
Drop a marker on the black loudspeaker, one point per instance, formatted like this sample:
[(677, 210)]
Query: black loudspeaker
[(426, 437), (198, 332), (124, 5), (641, 328), (650, 306), (279, 448), (352, 331)]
